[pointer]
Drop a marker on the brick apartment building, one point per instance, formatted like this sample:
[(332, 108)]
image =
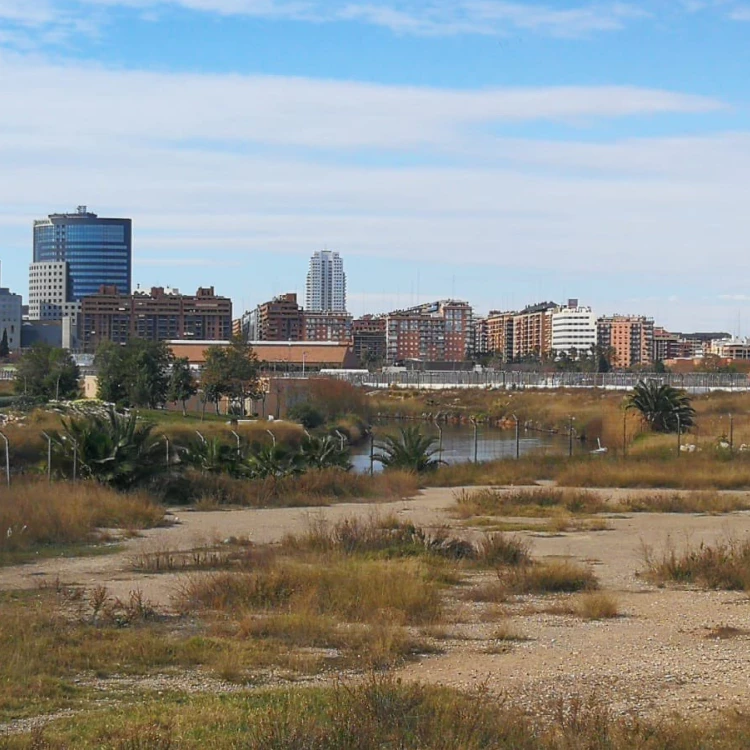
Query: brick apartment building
[(629, 337), (328, 326), (437, 332), (368, 338), (159, 315), (500, 334)]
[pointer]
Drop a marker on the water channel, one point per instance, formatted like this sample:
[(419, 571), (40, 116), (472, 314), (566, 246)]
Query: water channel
[(458, 443)]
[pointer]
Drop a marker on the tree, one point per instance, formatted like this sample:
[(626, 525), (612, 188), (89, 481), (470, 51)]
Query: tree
[(182, 384), (231, 372), (113, 449), (47, 372), (4, 346), (324, 453), (410, 450), (136, 374), (308, 415), (662, 407)]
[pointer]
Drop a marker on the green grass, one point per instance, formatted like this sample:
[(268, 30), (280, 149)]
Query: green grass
[(377, 714)]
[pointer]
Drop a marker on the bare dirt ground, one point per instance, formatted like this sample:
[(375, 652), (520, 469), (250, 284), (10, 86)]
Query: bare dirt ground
[(656, 658)]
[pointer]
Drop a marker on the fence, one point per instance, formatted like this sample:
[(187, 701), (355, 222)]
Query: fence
[(694, 383)]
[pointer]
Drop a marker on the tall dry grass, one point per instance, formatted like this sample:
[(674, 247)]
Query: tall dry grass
[(534, 503), (34, 513), (313, 488)]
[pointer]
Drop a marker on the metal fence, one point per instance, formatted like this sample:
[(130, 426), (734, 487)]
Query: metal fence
[(691, 382)]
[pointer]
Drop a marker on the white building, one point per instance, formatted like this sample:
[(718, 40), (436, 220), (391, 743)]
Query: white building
[(326, 283), (11, 317), (49, 293), (574, 329)]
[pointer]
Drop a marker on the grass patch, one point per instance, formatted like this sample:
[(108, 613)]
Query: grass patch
[(690, 502), (534, 503), (379, 713), (37, 515), (723, 566), (549, 577)]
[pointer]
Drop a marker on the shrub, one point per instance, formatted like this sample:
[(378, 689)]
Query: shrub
[(549, 577), (597, 606)]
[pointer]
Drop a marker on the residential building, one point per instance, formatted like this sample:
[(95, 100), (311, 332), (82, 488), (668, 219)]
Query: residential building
[(436, 332), (159, 315), (50, 293), (532, 331), (731, 348), (11, 317), (328, 326), (500, 334), (326, 283), (667, 345), (368, 337), (480, 340), (629, 338), (98, 251), (573, 330), (280, 319)]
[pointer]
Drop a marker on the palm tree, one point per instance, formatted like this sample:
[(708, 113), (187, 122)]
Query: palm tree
[(662, 407), (111, 448), (274, 461), (324, 453), (212, 457), (410, 450)]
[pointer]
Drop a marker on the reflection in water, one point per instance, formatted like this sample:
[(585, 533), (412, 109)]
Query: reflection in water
[(458, 444)]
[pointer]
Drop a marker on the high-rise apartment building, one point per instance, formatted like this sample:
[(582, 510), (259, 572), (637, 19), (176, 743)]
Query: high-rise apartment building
[(326, 283), (574, 330), (280, 319), (532, 331), (158, 315), (49, 292), (368, 335), (628, 338), (328, 326), (98, 251), (500, 334)]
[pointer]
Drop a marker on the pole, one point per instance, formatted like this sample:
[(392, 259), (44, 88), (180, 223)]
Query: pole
[(570, 437), (273, 437), (49, 457), (476, 439), (372, 453), (75, 460), (7, 457), (200, 435), (624, 434), (518, 439), (731, 433), (342, 438), (440, 438), (679, 436), (166, 440)]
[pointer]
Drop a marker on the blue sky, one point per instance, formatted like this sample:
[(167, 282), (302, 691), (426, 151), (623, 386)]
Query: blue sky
[(501, 152)]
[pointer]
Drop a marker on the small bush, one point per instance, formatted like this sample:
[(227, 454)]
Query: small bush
[(501, 549), (549, 577), (527, 503), (724, 566), (597, 606), (691, 502)]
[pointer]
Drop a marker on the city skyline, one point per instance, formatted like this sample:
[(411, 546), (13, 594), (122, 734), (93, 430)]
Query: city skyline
[(498, 152)]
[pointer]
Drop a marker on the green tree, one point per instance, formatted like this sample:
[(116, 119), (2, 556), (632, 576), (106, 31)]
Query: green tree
[(182, 383), (410, 450), (4, 346), (231, 372), (662, 407), (113, 449), (307, 414), (136, 374), (47, 372), (324, 453)]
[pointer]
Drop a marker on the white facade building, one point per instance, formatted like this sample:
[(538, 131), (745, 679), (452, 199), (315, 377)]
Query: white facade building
[(326, 283), (11, 317), (49, 286), (574, 329)]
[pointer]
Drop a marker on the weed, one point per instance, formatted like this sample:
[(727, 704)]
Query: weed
[(597, 606)]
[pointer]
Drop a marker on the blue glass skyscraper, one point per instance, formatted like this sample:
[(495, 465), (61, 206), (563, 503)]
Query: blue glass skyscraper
[(98, 251)]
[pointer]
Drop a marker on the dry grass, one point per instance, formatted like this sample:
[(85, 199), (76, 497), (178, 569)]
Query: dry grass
[(597, 605), (524, 472), (313, 488), (724, 565), (548, 577), (36, 514), (535, 503), (691, 502)]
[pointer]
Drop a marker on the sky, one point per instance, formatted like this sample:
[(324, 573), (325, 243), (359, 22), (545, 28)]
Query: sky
[(499, 152)]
